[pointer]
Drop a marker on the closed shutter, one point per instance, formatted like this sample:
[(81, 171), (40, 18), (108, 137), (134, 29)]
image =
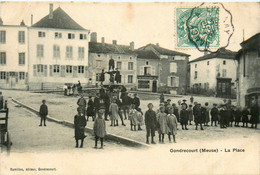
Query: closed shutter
[(26, 77), (50, 70), (169, 81), (45, 70), (7, 76), (176, 81), (75, 73), (153, 70), (16, 77), (141, 70), (62, 71), (86, 71), (34, 70)]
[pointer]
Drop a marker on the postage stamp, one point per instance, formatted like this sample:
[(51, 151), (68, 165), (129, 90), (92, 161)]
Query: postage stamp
[(199, 27)]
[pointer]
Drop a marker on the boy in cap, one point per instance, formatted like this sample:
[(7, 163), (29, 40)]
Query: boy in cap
[(184, 116), (190, 113), (150, 123), (79, 123), (43, 112)]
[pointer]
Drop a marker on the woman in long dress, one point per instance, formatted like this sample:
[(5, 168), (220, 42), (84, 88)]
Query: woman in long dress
[(79, 124)]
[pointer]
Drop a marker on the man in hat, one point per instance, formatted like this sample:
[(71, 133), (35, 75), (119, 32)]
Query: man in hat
[(223, 115), (214, 114), (197, 116)]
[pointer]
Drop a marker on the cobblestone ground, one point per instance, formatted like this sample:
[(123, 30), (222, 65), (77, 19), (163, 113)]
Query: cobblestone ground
[(64, 108), (27, 136)]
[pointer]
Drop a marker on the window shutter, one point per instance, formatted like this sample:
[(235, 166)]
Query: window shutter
[(62, 71), (86, 71), (16, 77), (45, 70), (34, 70), (75, 73), (26, 77), (141, 70), (7, 76), (169, 81), (153, 70), (176, 81), (50, 70)]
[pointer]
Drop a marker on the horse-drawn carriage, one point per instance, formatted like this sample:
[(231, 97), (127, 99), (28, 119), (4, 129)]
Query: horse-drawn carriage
[(5, 136)]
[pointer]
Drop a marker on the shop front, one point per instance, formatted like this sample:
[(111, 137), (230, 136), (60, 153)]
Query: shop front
[(147, 83)]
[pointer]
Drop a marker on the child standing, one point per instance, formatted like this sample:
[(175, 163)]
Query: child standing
[(214, 114), (43, 112), (99, 128), (150, 123), (190, 113), (113, 109), (172, 124), (245, 114), (90, 109), (184, 116), (133, 117), (79, 124), (162, 121), (139, 115)]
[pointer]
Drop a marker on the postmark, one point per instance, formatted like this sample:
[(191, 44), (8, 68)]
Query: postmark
[(206, 27)]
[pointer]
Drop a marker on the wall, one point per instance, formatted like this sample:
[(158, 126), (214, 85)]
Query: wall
[(95, 67), (252, 75), (48, 41), (12, 48)]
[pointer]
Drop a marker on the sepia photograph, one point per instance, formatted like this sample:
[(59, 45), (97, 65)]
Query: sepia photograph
[(129, 88)]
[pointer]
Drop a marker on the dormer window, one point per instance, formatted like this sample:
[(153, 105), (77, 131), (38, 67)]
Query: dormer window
[(82, 36)]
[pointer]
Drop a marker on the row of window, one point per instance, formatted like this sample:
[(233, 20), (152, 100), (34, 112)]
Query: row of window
[(18, 75), (130, 78), (60, 70), (224, 74), (56, 51), (58, 35), (224, 63), (21, 58), (21, 37), (118, 65)]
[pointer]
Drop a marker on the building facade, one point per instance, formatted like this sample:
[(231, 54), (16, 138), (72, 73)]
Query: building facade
[(161, 70), (125, 60), (13, 56), (214, 72), (249, 72), (58, 52)]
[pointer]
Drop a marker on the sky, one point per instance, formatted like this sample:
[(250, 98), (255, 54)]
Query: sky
[(142, 23)]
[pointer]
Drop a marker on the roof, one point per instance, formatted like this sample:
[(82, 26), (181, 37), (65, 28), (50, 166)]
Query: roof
[(146, 54), (220, 53), (96, 47), (163, 51), (60, 20), (253, 43)]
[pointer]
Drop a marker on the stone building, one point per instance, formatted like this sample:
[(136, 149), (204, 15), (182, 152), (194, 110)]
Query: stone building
[(58, 51), (249, 72), (13, 56), (214, 73), (124, 60), (161, 70)]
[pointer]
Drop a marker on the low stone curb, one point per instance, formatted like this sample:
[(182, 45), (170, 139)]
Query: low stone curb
[(109, 136)]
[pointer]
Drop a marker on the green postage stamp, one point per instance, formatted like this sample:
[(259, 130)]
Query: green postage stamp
[(199, 27)]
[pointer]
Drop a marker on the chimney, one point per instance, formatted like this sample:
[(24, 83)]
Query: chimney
[(1, 21), (93, 37), (22, 23), (51, 11), (114, 42), (132, 46), (103, 40), (31, 19)]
